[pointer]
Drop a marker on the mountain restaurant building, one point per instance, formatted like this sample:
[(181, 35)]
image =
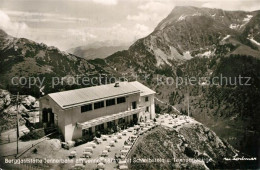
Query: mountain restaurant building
[(99, 109)]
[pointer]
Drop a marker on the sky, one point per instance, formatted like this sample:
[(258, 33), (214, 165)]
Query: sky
[(70, 23)]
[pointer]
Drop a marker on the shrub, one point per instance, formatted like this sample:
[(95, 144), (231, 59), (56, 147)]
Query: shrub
[(78, 142), (33, 135)]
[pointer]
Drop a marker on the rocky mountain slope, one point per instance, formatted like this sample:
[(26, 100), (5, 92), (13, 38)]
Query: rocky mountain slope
[(191, 32), (190, 146), (204, 42), (21, 57), (8, 109)]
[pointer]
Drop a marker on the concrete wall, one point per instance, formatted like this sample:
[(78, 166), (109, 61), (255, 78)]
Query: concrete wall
[(47, 102), (150, 104)]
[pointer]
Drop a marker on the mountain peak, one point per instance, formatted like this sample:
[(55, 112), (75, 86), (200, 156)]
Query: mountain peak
[(2, 33)]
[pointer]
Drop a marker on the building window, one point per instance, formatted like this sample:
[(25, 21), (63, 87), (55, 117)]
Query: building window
[(121, 121), (134, 105), (120, 100), (44, 115), (109, 124), (110, 102), (86, 108), (147, 109), (98, 105), (146, 99), (87, 132)]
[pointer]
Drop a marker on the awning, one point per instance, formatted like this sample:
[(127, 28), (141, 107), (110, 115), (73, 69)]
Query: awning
[(104, 119)]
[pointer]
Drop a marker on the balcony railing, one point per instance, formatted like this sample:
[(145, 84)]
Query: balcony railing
[(104, 119)]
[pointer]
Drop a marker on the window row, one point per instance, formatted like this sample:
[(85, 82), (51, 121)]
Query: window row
[(100, 104)]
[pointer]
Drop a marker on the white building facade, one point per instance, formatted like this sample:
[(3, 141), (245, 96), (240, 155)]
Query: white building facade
[(82, 113)]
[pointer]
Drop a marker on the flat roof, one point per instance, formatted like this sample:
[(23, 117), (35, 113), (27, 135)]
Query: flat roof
[(144, 89), (71, 98)]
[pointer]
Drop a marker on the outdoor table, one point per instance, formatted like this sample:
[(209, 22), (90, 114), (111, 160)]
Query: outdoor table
[(108, 148), (126, 147), (124, 151), (119, 136), (102, 160), (88, 149), (104, 137), (100, 165), (136, 127), (73, 153), (77, 165), (104, 153), (92, 144), (112, 143), (133, 136), (99, 140), (123, 167), (142, 124), (124, 132), (122, 162), (131, 129), (87, 154), (115, 138), (141, 132)]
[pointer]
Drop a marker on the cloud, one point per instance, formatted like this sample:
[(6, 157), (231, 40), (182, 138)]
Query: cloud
[(232, 5), (151, 12), (124, 34), (141, 30), (156, 6), (13, 28), (106, 2), (139, 17), (81, 35), (43, 17)]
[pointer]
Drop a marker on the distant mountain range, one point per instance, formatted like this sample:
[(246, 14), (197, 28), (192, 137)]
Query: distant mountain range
[(89, 52)]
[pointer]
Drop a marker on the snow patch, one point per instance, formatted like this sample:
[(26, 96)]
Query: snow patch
[(206, 54), (248, 18), (196, 14), (182, 17), (226, 37), (186, 55), (234, 26), (254, 41)]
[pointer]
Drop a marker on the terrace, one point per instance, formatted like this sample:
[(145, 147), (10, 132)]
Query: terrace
[(104, 119)]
